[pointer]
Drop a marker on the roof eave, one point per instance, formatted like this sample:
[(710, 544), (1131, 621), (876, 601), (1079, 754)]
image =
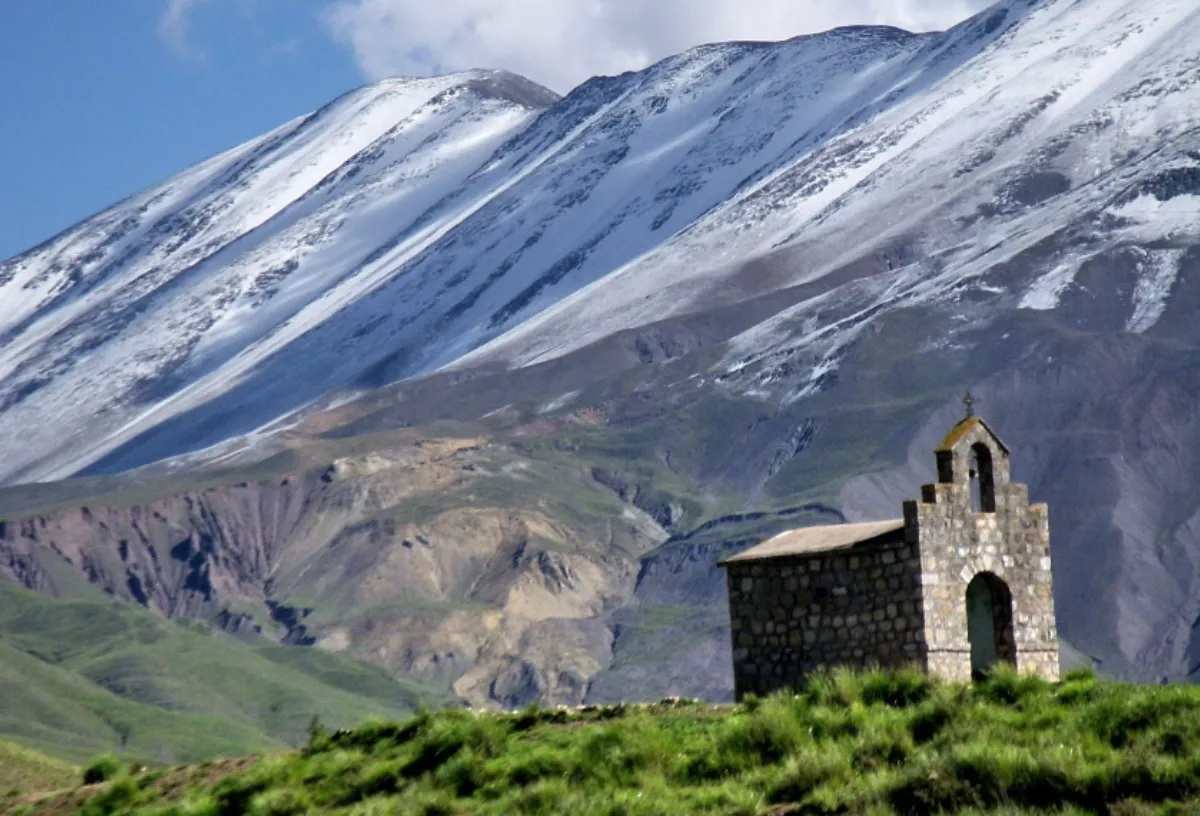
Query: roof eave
[(962, 429), (745, 557)]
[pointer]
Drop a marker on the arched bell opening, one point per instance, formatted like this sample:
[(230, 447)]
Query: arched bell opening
[(990, 624), (983, 479)]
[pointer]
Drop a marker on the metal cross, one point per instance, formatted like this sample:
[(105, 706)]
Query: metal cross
[(970, 401)]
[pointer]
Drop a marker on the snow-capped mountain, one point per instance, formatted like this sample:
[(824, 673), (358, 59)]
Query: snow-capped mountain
[(826, 238), (417, 224), (205, 275)]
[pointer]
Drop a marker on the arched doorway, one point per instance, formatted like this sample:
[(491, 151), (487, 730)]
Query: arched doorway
[(989, 624)]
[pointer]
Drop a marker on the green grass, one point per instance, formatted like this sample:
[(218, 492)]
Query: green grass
[(62, 713), (874, 743), (85, 676), (23, 771)]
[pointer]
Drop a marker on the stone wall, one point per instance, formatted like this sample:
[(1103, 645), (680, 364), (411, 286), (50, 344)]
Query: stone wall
[(1012, 543), (857, 607)]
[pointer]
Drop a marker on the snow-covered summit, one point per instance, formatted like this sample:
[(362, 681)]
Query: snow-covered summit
[(188, 274), (418, 224)]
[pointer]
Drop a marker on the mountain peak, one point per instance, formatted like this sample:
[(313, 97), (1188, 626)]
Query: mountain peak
[(489, 83), (513, 87)]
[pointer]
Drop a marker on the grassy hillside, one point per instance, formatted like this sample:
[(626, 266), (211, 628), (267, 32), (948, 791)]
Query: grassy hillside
[(876, 743), (23, 771), (83, 676)]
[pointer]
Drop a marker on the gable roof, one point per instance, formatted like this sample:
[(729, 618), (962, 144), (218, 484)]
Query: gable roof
[(962, 429), (810, 540)]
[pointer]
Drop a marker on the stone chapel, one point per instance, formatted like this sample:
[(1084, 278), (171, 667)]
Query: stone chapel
[(961, 582)]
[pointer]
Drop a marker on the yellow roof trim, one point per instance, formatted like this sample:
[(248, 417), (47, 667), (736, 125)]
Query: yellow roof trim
[(962, 429)]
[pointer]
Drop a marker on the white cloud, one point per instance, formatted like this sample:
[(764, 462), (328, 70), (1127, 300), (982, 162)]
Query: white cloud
[(173, 29), (560, 43)]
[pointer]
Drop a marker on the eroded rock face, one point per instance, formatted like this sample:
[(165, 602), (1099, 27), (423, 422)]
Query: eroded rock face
[(191, 555), (381, 556)]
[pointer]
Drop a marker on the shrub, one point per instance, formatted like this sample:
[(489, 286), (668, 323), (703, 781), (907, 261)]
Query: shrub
[(1080, 674), (1173, 741), (1001, 773), (880, 746), (617, 755), (278, 802), (120, 795), (234, 794), (450, 732), (839, 687), (528, 717), (377, 778), (535, 766), (378, 735), (1079, 686), (547, 796), (931, 718), (465, 774), (436, 803), (316, 731), (1132, 807), (833, 723), (902, 688), (807, 771), (103, 769), (928, 788), (1004, 685), (1120, 717), (766, 736)]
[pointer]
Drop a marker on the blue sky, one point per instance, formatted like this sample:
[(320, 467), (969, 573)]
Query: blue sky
[(102, 98)]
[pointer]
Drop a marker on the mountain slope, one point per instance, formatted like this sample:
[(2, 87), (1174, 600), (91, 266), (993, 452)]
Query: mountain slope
[(218, 326), (91, 675), (752, 278), (134, 308), (465, 564), (970, 159), (444, 213), (23, 771)]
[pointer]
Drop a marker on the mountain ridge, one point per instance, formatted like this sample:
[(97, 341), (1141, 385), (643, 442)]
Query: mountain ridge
[(672, 72)]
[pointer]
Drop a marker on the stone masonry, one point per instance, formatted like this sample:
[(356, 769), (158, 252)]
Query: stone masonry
[(794, 614), (962, 582)]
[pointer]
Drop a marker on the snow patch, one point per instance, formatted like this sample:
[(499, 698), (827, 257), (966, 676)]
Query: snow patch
[(1045, 292), (1176, 217), (1153, 288), (559, 402)]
